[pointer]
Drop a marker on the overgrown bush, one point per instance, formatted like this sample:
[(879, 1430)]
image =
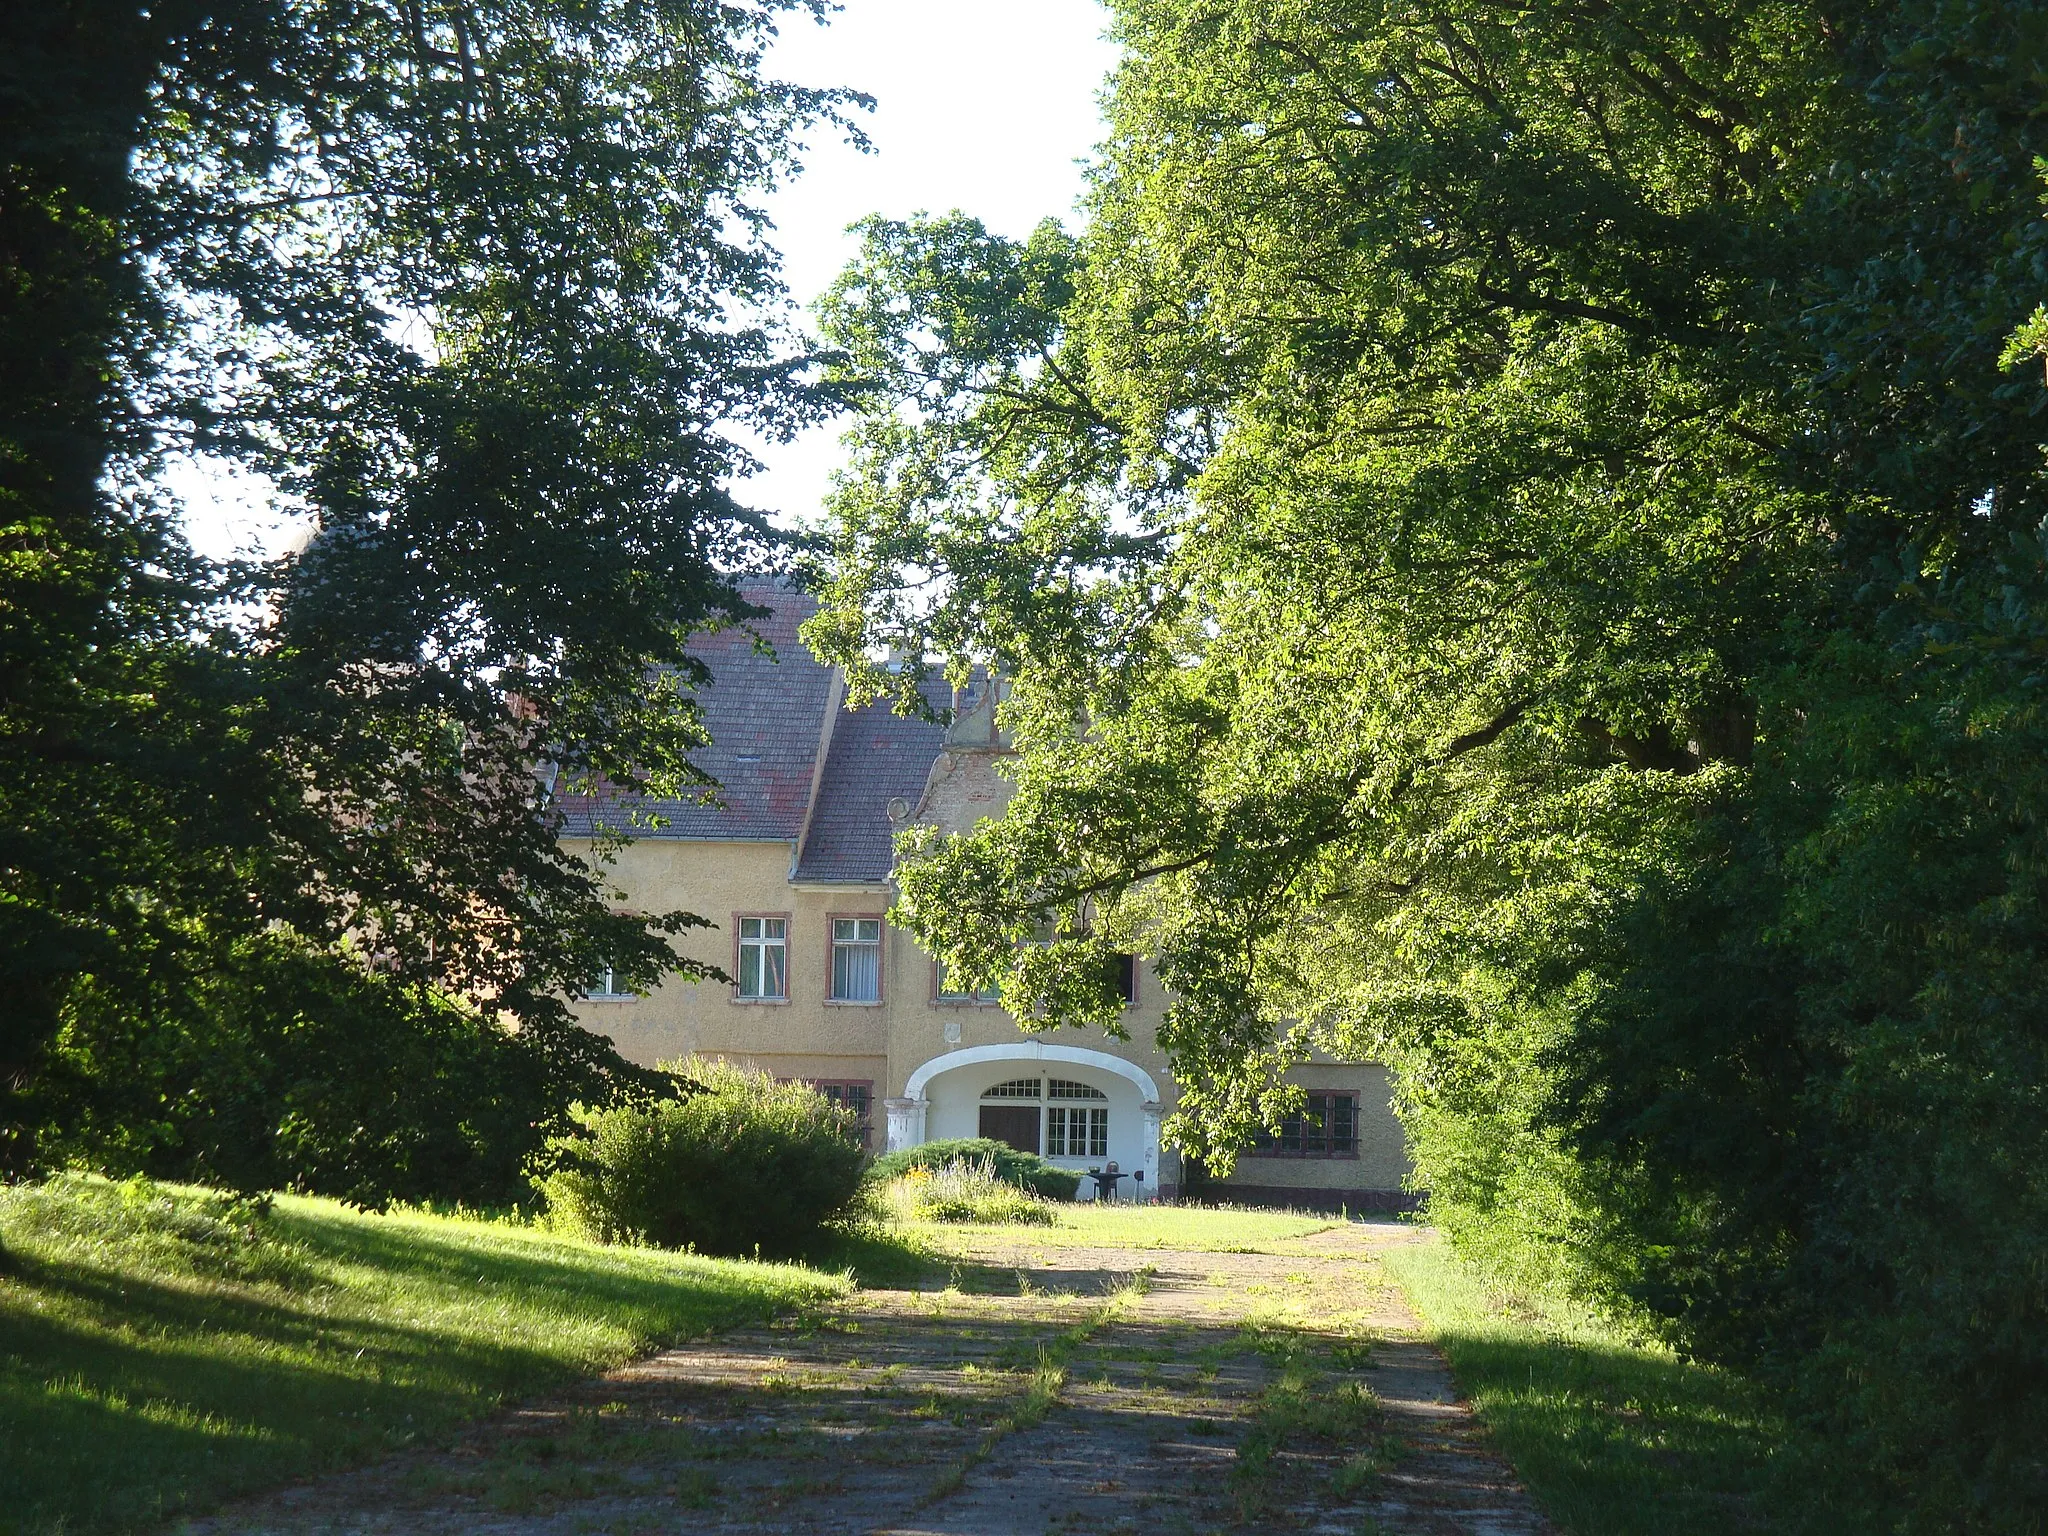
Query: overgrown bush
[(1026, 1170), (744, 1164), (961, 1190)]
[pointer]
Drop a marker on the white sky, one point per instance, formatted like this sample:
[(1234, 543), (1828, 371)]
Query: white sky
[(987, 106)]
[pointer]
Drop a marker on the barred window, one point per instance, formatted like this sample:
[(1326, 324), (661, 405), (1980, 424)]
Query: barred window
[(854, 1097)]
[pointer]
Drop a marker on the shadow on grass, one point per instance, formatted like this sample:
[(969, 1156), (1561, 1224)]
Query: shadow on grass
[(1613, 1439), (128, 1396), (877, 1258)]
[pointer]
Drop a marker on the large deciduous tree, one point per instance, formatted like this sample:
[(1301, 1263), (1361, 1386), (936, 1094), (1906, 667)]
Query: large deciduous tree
[(480, 288), (1518, 537)]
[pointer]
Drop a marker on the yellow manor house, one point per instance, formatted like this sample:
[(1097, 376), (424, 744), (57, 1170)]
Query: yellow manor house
[(794, 867)]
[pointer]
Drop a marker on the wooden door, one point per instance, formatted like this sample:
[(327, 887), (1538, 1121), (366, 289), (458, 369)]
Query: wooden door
[(1014, 1125)]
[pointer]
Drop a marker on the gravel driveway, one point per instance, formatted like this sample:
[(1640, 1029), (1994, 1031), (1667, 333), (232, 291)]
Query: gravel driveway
[(1035, 1389)]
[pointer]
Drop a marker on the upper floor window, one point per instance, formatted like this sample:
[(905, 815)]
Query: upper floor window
[(1123, 971), (764, 957), (856, 960), (948, 993), (605, 987), (1326, 1127)]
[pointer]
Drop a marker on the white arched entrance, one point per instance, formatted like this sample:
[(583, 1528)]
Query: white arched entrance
[(941, 1097)]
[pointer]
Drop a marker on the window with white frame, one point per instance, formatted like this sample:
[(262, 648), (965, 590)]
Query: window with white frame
[(1016, 1088), (948, 993), (856, 960), (1066, 1088), (605, 987), (764, 958), (1073, 1130)]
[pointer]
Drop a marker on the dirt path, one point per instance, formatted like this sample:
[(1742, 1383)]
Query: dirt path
[(1043, 1390)]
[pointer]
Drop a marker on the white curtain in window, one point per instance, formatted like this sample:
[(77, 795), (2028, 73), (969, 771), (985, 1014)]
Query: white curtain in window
[(857, 961)]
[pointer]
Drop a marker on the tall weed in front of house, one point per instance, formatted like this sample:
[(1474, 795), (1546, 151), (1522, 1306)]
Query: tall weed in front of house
[(963, 1191), (1026, 1170), (743, 1165)]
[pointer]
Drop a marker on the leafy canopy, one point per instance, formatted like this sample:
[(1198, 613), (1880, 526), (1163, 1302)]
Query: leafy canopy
[(1518, 541), (481, 288)]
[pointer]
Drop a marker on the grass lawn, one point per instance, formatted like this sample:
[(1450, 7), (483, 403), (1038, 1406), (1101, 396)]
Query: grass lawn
[(1086, 1224), (160, 1351), (1614, 1438)]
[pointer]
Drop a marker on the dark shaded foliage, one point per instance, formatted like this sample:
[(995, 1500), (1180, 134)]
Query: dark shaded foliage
[(1541, 513), (480, 289)]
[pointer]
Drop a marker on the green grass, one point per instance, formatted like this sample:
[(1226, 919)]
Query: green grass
[(1089, 1225), (161, 1351), (1614, 1437)]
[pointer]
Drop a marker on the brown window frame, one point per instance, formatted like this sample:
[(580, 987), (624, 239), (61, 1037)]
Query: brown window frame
[(881, 920), (1270, 1144), (1131, 996), (788, 943)]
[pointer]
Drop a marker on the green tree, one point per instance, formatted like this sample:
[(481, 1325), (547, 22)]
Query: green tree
[(1517, 537), (482, 289)]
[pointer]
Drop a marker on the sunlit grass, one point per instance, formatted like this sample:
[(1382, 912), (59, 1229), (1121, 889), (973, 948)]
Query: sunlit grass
[(161, 1351), (964, 1193), (1615, 1437), (1088, 1224)]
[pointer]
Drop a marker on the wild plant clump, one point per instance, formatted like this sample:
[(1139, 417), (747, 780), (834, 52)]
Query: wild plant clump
[(744, 1165), (964, 1191), (1026, 1170)]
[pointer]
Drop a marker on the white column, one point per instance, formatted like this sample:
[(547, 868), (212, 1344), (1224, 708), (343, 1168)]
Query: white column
[(906, 1122), (1151, 1188)]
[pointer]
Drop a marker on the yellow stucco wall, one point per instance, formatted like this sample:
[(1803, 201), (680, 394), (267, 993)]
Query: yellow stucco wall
[(797, 1038), (1382, 1160), (882, 1044)]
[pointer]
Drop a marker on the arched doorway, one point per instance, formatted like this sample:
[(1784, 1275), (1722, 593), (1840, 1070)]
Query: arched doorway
[(1076, 1107)]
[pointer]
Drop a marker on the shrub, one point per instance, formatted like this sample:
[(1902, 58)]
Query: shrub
[(964, 1191), (743, 1164), (1026, 1170)]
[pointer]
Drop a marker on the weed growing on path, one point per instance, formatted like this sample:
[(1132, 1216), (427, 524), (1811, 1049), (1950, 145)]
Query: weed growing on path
[(1047, 1381)]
